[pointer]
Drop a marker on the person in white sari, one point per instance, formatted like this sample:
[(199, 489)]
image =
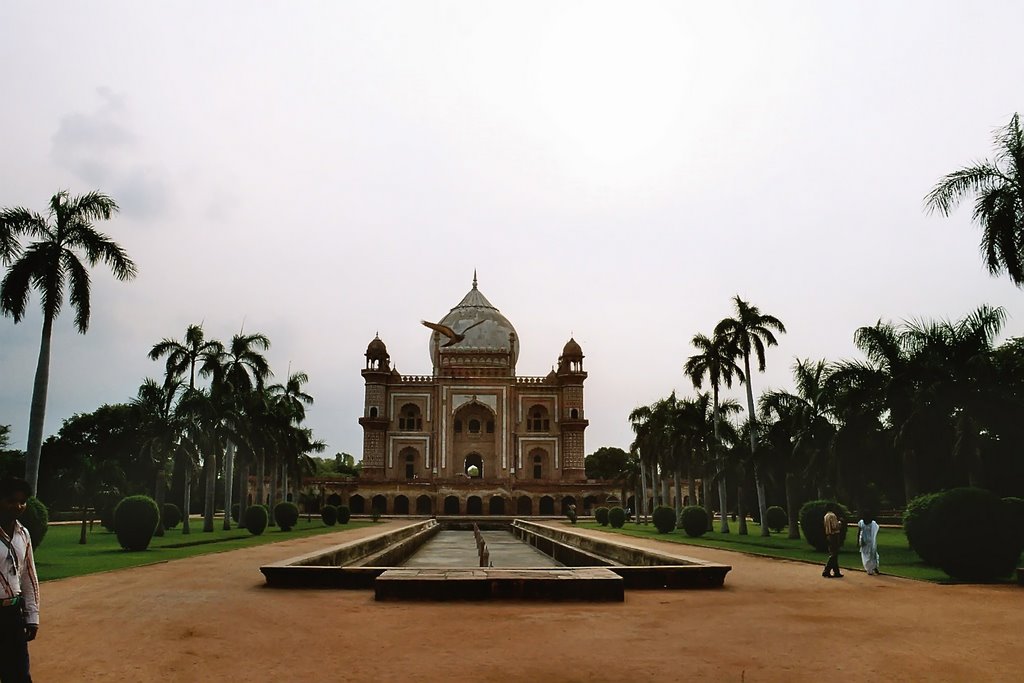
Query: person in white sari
[(867, 539)]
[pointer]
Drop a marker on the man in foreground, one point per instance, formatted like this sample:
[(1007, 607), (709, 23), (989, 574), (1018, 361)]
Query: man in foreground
[(19, 587), (833, 535)]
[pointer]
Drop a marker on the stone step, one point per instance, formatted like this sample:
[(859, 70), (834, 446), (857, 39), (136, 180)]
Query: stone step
[(585, 584)]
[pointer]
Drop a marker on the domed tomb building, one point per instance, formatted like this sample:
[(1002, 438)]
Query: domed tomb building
[(473, 437)]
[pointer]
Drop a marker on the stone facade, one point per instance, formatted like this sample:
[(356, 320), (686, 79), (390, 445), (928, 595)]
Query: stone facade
[(473, 436)]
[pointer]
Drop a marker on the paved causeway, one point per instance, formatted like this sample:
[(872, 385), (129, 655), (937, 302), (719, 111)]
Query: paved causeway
[(458, 549)]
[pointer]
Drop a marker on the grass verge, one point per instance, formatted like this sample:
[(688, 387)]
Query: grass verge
[(896, 557), (61, 556)]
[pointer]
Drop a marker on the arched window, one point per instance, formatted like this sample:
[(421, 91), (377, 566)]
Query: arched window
[(409, 457), (373, 411), (474, 426), (574, 414), (458, 426), (537, 419), (490, 426), (538, 463), (410, 419)]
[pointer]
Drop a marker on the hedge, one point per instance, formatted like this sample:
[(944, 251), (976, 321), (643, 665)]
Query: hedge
[(256, 519), (617, 517), (777, 518), (286, 515), (601, 516), (171, 516), (923, 536), (329, 515), (37, 520), (664, 519), (694, 520), (135, 522), (980, 545), (812, 522), (344, 514)]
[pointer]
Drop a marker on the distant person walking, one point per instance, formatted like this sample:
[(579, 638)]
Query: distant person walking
[(867, 540), (19, 587), (833, 535)]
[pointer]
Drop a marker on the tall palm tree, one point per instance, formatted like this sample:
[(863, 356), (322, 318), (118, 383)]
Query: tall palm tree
[(243, 370), (161, 432), (290, 401), (53, 265), (806, 421), (998, 187), (750, 332), (717, 361), (192, 353)]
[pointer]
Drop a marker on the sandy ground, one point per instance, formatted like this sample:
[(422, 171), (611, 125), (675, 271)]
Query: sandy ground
[(210, 618)]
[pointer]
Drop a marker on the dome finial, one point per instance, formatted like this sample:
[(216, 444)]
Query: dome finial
[(474, 278)]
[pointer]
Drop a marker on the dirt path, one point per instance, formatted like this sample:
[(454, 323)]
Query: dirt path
[(210, 618)]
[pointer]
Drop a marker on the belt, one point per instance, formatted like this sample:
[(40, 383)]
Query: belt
[(10, 602)]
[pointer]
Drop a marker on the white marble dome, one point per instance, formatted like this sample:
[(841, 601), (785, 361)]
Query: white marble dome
[(492, 332)]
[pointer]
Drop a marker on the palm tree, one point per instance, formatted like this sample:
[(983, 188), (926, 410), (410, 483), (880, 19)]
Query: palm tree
[(998, 186), (715, 359), (161, 432), (289, 402), (750, 331), (805, 420), (243, 370), (53, 265), (188, 355)]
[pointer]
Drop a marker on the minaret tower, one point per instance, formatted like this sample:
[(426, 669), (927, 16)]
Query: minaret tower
[(375, 419), (570, 378)]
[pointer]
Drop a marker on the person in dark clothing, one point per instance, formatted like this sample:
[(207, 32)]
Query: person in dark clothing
[(833, 535)]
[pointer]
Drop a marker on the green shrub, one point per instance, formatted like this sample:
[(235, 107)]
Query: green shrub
[(36, 519), (256, 519), (235, 511), (601, 516), (694, 520), (812, 522), (135, 521), (344, 514), (286, 515), (171, 516), (777, 518), (1016, 508), (664, 519), (617, 517), (980, 545), (923, 536), (329, 515)]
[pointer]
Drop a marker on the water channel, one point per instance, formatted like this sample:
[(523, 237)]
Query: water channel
[(453, 548)]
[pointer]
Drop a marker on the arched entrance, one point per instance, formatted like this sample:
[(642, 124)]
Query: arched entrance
[(401, 505), (524, 506), (496, 506), (474, 460), (356, 504), (547, 505), (451, 505), (474, 506), (566, 502), (334, 499), (379, 504), (424, 505)]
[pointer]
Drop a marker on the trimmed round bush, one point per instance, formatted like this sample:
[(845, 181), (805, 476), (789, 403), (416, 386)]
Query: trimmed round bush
[(171, 516), (1017, 514), (617, 517), (107, 516), (36, 519), (135, 521), (329, 515), (664, 519), (981, 545), (256, 519), (777, 518), (923, 535), (812, 522), (344, 514), (694, 520), (601, 516), (234, 512), (286, 515)]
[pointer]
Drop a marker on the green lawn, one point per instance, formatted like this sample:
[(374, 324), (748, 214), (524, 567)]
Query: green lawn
[(61, 556), (896, 558)]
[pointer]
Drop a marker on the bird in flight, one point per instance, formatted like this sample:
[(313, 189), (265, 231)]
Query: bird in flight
[(453, 336)]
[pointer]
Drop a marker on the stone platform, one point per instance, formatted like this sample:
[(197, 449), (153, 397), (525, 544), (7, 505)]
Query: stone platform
[(589, 584)]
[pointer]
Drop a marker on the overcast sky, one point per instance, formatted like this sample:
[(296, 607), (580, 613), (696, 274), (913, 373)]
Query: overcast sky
[(322, 171)]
